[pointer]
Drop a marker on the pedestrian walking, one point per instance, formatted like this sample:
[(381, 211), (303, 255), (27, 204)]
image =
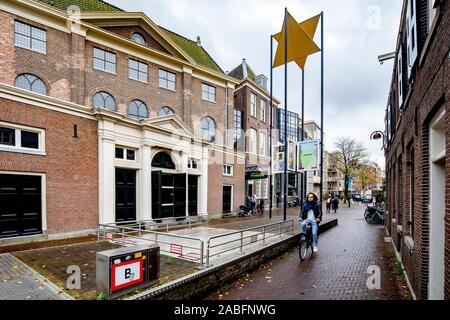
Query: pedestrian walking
[(261, 206), (329, 203), (335, 204)]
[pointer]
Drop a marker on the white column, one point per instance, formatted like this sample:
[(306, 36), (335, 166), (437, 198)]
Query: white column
[(107, 180), (204, 183), (184, 169), (146, 183)]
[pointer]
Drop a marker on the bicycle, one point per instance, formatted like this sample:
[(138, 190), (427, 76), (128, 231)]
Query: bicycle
[(373, 215), (305, 242)]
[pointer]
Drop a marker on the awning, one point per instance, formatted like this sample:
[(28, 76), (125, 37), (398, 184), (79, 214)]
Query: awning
[(255, 173)]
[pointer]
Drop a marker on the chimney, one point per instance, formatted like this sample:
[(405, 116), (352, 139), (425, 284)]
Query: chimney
[(244, 69), (199, 43)]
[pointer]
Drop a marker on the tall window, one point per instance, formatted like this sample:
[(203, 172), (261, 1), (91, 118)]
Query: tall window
[(167, 80), (263, 110), (104, 60), (29, 37), (138, 38), (411, 169), (104, 100), (31, 83), (137, 70), (238, 132), (262, 143), (165, 111), (253, 105), (208, 129), (137, 110), (208, 92), (253, 145)]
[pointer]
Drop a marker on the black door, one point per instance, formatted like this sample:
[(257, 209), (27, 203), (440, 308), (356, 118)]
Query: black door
[(125, 195), (20, 205), (156, 194), (193, 195), (179, 187), (227, 190)]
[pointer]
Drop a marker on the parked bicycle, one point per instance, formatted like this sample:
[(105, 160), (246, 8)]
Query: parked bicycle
[(305, 243), (374, 215)]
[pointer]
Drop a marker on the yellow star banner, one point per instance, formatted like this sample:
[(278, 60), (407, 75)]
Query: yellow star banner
[(300, 41)]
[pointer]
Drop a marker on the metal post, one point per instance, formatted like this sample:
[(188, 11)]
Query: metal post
[(264, 235), (242, 240), (207, 252), (304, 174), (201, 253), (98, 234), (270, 133), (321, 112), (285, 114)]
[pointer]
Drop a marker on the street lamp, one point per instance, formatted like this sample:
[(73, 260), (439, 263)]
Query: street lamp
[(376, 135)]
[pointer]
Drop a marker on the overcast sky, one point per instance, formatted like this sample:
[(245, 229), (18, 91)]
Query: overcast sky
[(356, 32)]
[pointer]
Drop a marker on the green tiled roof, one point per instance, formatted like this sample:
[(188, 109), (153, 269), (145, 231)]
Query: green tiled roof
[(197, 53), (85, 5)]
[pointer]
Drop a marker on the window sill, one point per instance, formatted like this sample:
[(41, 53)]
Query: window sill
[(29, 49), (113, 73), (209, 101), (142, 81), (16, 150), (168, 89)]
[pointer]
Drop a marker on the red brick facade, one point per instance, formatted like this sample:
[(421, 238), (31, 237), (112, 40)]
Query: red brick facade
[(408, 156), (70, 164)]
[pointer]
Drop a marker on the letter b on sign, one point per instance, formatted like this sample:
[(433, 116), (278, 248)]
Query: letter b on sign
[(374, 280)]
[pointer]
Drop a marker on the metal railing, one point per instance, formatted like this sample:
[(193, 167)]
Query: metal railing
[(165, 223), (242, 238), (181, 246)]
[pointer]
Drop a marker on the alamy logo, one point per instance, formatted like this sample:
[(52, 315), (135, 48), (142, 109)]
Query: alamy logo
[(373, 18), (374, 280)]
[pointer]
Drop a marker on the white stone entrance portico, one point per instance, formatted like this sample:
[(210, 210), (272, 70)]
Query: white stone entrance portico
[(145, 139)]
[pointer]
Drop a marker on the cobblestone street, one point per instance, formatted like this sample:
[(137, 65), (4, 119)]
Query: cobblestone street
[(337, 271)]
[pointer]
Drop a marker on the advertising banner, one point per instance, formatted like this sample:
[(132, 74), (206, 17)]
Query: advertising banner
[(308, 156)]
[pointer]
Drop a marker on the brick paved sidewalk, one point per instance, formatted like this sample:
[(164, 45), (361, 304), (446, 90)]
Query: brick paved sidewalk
[(337, 271), (20, 282)]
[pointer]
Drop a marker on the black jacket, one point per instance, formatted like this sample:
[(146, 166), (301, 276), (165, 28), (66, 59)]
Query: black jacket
[(317, 212)]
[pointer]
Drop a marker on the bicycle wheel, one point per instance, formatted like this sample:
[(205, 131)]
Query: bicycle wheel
[(302, 249), (369, 218)]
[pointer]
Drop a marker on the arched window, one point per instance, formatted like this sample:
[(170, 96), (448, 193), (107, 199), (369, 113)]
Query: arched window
[(31, 83), (104, 100), (209, 129), (165, 111), (137, 110), (163, 160), (138, 38)]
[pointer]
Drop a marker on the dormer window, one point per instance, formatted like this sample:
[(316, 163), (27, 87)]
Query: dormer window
[(138, 38)]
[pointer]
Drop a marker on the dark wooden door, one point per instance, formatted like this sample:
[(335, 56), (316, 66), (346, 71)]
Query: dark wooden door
[(125, 195), (193, 195), (179, 187), (227, 195), (20, 205)]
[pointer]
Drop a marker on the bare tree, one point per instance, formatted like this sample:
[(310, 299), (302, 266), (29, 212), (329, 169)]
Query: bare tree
[(351, 154)]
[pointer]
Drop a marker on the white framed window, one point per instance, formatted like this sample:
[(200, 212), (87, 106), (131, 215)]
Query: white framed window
[(137, 70), (253, 141), (31, 83), (167, 80), (192, 164), (227, 170), (263, 110), (125, 154), (208, 92), (262, 143), (253, 105), (105, 61), (29, 37), (22, 139)]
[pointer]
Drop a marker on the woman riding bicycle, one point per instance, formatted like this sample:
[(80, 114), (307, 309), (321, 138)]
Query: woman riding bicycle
[(311, 214)]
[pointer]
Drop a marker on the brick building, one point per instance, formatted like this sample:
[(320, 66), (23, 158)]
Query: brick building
[(418, 147), (252, 127), (106, 117)]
